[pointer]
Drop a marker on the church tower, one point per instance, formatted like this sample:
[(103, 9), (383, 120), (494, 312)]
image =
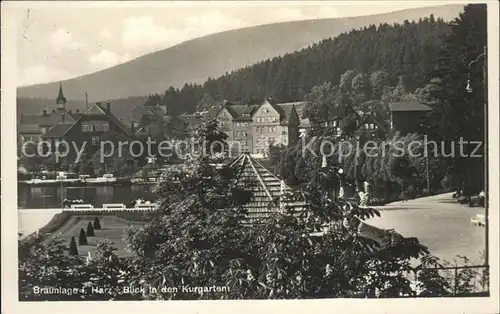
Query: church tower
[(61, 100)]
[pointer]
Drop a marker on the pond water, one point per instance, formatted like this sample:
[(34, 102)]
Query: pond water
[(31, 197)]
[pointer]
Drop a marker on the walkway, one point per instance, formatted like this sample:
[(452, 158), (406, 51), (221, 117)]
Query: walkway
[(439, 222)]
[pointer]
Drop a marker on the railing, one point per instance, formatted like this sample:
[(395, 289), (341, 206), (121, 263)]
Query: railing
[(462, 281)]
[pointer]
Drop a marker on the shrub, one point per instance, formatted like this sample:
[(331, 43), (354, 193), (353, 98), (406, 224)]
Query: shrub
[(97, 224), (82, 239), (90, 230), (73, 250)]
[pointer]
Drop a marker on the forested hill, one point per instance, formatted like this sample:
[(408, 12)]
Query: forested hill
[(407, 50)]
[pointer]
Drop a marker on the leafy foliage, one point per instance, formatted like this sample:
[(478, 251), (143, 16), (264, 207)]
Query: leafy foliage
[(457, 113)]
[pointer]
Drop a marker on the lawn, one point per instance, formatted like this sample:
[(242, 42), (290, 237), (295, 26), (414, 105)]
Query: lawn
[(113, 228)]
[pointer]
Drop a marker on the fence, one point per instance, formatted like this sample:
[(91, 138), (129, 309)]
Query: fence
[(460, 281)]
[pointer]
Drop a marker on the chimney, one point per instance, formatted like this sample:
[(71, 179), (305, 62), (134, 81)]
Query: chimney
[(108, 107), (86, 100), (62, 117), (44, 112), (77, 110), (53, 110), (132, 128), (70, 111)]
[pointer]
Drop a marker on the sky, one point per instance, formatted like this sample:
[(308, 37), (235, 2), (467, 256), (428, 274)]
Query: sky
[(57, 41)]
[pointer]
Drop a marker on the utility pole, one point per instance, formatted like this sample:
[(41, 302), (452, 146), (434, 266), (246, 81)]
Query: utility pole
[(486, 210)]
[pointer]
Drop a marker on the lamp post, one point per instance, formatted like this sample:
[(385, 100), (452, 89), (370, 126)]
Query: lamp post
[(356, 156), (427, 170), (61, 176), (485, 92)]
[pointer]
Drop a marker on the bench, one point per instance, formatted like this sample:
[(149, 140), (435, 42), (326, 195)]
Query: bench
[(478, 220), (113, 206), (82, 206)]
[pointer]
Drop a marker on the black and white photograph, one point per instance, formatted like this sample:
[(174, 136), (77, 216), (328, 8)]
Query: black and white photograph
[(202, 151)]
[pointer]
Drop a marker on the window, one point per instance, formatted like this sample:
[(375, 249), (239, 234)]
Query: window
[(95, 140), (266, 110), (105, 127), (85, 128)]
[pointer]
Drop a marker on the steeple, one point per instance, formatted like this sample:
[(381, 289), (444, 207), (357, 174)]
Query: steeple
[(61, 100)]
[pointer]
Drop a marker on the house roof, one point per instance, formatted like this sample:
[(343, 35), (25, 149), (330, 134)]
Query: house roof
[(206, 102), (58, 130), (287, 108), (29, 128), (368, 117), (98, 110), (408, 106), (49, 118), (266, 188)]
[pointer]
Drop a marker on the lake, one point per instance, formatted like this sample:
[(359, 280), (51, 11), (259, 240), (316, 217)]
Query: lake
[(31, 197)]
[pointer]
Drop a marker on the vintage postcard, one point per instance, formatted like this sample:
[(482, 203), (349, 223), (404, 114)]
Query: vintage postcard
[(250, 156)]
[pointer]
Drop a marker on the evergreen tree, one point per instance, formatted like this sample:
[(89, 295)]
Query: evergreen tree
[(460, 114), (407, 50), (73, 249), (82, 238), (90, 229), (97, 224)]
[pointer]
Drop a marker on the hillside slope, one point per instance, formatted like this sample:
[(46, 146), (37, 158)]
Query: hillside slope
[(211, 56)]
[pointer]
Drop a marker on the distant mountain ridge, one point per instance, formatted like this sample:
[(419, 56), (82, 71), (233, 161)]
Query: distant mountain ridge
[(211, 56)]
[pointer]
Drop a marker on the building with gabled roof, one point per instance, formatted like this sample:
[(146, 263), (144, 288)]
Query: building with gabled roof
[(267, 189), (408, 117), (205, 103), (95, 124)]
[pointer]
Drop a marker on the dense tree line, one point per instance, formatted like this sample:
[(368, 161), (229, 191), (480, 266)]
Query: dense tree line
[(458, 112), (457, 94), (405, 50)]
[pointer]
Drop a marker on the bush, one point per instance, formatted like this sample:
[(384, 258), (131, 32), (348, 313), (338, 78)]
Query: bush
[(90, 230), (73, 250), (82, 239), (97, 224)]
